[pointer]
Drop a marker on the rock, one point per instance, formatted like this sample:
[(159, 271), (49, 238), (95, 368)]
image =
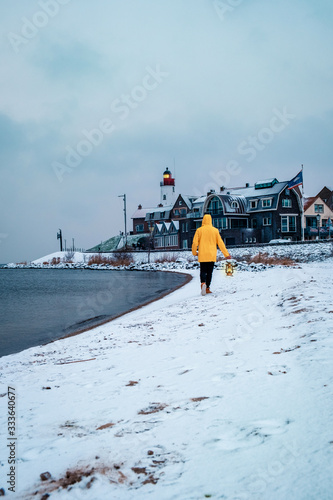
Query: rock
[(45, 476)]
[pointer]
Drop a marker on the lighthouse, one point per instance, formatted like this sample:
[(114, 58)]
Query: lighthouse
[(168, 196)]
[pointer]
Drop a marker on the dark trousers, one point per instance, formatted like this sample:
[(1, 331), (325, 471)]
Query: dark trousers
[(206, 271)]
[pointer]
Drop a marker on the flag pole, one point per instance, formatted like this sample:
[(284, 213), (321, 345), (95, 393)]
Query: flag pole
[(302, 205)]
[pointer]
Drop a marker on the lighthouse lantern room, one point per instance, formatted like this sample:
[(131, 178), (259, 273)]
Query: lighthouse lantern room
[(167, 188)]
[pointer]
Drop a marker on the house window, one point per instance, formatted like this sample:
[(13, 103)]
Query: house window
[(288, 224), (164, 197), (183, 228), (176, 212), (311, 221), (180, 202), (151, 216), (238, 223), (139, 228), (183, 211), (214, 206), (162, 215), (185, 244), (267, 202), (234, 204), (187, 227), (286, 203), (267, 221), (319, 209), (253, 203)]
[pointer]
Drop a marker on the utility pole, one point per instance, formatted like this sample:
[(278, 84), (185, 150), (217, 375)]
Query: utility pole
[(73, 244), (123, 196), (59, 237)]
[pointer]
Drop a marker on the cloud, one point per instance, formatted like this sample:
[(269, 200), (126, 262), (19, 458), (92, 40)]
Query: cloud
[(225, 79)]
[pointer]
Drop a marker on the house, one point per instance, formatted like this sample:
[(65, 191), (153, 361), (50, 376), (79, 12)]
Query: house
[(166, 235), (244, 215), (318, 217), (274, 211), (140, 225), (327, 196)]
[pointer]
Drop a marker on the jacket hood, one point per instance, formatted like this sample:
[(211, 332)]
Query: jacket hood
[(207, 220)]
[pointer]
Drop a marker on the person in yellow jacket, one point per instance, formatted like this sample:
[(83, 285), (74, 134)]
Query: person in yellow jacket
[(207, 238)]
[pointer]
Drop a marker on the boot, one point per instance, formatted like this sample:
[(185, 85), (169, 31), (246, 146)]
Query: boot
[(203, 288), (208, 290)]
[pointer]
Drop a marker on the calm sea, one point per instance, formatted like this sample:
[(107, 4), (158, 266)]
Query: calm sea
[(40, 305)]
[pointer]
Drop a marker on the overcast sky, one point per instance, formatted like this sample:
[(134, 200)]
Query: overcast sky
[(98, 97)]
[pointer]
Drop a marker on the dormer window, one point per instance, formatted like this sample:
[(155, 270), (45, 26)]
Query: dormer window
[(234, 204), (253, 203), (267, 202)]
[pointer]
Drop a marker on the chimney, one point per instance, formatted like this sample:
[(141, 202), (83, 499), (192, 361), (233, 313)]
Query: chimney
[(222, 188), (211, 192), (140, 207), (247, 185)]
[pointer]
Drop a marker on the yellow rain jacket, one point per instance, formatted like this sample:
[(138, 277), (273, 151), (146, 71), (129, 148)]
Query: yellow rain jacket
[(207, 238)]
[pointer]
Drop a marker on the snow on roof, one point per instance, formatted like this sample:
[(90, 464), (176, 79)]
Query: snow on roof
[(188, 200), (267, 181), (166, 208), (308, 202), (140, 213), (251, 192), (200, 200)]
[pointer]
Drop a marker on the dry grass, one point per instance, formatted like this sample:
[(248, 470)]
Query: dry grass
[(117, 259), (55, 261), (166, 258), (264, 258)]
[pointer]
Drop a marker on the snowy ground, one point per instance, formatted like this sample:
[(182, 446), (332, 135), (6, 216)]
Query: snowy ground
[(227, 396)]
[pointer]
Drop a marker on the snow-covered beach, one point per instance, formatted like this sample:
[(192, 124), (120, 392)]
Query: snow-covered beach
[(227, 396)]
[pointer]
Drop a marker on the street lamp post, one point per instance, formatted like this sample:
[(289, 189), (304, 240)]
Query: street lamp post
[(151, 229), (123, 196), (59, 237), (318, 225)]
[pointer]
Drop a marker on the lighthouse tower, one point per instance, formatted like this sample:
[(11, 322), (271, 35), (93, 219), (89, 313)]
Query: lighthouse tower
[(168, 195)]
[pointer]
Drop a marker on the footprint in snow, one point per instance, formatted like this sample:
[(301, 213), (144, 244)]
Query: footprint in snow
[(247, 436), (278, 370)]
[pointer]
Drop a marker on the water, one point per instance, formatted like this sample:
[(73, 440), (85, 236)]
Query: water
[(37, 305)]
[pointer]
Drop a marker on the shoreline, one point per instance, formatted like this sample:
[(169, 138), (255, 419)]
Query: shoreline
[(189, 278), (79, 328)]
